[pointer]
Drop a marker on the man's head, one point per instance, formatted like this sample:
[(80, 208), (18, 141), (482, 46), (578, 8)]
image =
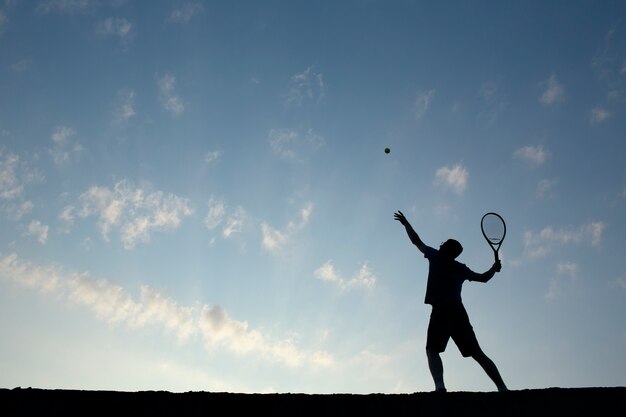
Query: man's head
[(451, 248)]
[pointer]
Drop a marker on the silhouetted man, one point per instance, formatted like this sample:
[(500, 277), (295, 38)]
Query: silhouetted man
[(448, 317)]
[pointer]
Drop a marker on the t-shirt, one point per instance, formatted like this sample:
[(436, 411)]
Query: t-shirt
[(445, 278)]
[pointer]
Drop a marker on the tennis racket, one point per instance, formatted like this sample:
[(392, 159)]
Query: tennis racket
[(494, 230)]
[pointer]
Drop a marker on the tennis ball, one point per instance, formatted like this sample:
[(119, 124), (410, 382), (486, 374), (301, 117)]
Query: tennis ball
[(387, 150)]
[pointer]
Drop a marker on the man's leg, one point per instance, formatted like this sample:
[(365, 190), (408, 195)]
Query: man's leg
[(491, 369), (436, 369)]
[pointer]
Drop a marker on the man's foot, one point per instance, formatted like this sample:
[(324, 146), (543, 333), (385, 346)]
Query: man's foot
[(441, 390)]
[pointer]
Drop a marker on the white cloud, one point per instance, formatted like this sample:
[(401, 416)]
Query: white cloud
[(184, 13), (539, 244), (534, 155), (14, 176), (422, 103), (274, 240), (66, 217), (290, 144), (134, 211), (16, 211), (113, 304), (553, 93), (308, 85), (169, 97), (212, 156), (11, 185), (38, 230), (599, 115), (125, 109), (63, 146), (217, 215), (362, 278), (116, 27), (565, 270), (234, 222), (70, 7), (454, 178), (545, 186)]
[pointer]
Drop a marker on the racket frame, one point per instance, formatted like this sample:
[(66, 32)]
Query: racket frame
[(494, 246)]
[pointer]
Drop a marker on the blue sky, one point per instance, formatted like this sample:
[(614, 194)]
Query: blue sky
[(194, 195)]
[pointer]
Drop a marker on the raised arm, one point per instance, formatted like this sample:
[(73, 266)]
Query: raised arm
[(486, 276), (415, 239)]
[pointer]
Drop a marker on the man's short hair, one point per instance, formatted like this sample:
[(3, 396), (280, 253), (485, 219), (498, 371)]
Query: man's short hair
[(455, 247)]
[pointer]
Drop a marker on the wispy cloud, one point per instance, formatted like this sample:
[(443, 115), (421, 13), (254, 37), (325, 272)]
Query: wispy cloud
[(565, 271), (67, 217), (217, 215), (363, 278), (553, 93), (454, 177), (38, 230), (116, 27), (610, 66), (184, 13), (113, 304), (274, 239), (15, 175), (292, 145), (540, 244), (17, 210), (212, 156), (11, 185), (492, 102), (125, 108), (70, 7), (599, 114), (545, 186), (422, 103), (567, 268), (63, 145), (308, 85), (533, 155), (135, 212), (168, 95)]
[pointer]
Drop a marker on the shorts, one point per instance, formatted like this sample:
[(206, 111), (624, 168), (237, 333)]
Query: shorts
[(451, 320)]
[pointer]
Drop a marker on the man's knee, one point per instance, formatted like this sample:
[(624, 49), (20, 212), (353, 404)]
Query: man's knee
[(479, 355), (432, 353)]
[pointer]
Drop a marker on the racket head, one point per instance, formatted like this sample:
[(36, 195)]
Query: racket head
[(493, 228)]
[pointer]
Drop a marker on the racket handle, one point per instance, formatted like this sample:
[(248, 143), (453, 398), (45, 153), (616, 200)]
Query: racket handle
[(495, 254)]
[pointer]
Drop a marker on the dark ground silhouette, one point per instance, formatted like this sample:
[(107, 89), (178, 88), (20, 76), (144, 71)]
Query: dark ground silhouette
[(539, 402)]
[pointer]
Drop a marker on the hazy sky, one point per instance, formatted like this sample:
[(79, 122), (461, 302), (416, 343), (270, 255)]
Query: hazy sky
[(194, 195)]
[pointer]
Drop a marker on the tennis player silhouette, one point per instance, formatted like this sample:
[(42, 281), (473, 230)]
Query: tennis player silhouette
[(448, 317)]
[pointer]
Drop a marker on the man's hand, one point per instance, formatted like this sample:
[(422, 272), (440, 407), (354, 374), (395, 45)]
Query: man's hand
[(400, 217), (497, 266), (415, 239)]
